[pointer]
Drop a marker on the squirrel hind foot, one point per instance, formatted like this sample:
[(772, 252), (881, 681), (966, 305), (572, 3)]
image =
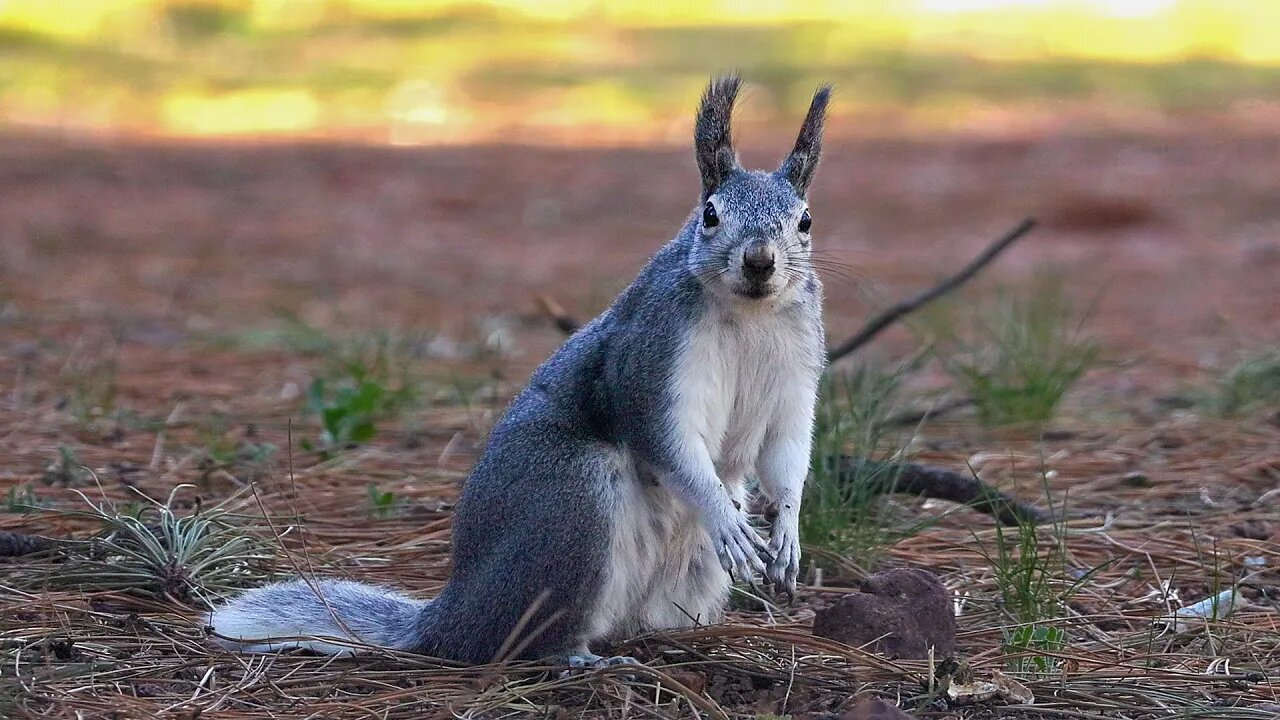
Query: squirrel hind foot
[(584, 660)]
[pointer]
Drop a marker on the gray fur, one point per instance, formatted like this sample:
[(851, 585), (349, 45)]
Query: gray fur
[(712, 134), (605, 502), (800, 165), (274, 613)]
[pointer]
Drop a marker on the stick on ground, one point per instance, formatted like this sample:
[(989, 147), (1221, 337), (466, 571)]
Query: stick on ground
[(884, 478)]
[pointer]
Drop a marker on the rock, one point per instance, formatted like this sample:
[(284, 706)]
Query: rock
[(873, 708), (903, 611)]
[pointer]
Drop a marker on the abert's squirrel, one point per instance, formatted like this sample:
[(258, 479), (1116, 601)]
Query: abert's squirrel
[(609, 498)]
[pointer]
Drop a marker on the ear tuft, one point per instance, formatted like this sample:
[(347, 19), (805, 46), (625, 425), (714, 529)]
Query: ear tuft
[(712, 136), (801, 164)]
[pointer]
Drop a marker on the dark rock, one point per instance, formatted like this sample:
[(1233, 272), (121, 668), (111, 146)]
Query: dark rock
[(873, 708), (903, 611), (14, 544)]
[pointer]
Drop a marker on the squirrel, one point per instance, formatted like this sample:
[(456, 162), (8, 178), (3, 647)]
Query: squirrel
[(609, 497)]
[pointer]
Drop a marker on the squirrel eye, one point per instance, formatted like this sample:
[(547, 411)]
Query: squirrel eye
[(805, 222), (709, 217)]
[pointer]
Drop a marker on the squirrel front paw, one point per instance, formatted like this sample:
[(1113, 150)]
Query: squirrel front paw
[(784, 547), (741, 551)]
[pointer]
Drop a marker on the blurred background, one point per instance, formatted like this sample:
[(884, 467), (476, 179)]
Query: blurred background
[(583, 71), (206, 166)]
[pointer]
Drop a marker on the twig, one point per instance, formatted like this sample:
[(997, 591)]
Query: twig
[(911, 304), (886, 478)]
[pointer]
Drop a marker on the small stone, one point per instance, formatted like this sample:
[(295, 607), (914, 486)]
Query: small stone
[(904, 612), (873, 708)]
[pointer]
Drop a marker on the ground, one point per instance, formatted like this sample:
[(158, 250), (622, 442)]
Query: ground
[(165, 307)]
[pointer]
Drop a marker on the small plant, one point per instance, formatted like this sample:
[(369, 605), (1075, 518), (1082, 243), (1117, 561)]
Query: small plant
[(150, 549), (23, 499), (385, 358), (1028, 352), (1032, 592), (1035, 585), (841, 508), (1027, 577), (66, 471), (243, 458), (1042, 642), (385, 503), (1252, 384), (367, 380), (346, 415), (290, 333), (89, 379)]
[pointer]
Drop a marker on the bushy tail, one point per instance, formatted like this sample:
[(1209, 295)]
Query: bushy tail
[(298, 614)]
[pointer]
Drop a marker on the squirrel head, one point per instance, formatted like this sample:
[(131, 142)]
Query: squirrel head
[(752, 234)]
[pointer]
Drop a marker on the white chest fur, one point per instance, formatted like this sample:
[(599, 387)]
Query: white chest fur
[(734, 376), (737, 377)]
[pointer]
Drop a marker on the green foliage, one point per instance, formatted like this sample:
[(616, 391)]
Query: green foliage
[(385, 503), (352, 55), (204, 21), (23, 499), (841, 513), (1252, 384), (385, 358), (1036, 638), (1035, 583), (290, 333), (1027, 577), (244, 459), (151, 550), (1031, 591), (1028, 350), (346, 415), (66, 471), (367, 380)]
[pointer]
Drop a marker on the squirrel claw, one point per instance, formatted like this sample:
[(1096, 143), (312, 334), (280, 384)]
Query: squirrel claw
[(582, 661)]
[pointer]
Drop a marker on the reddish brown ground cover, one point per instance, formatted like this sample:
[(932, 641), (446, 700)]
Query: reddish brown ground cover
[(154, 280)]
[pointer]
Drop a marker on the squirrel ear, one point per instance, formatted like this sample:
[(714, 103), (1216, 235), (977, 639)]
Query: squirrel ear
[(800, 165), (712, 138)]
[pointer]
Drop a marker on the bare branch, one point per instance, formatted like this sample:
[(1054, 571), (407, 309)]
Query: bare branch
[(897, 312)]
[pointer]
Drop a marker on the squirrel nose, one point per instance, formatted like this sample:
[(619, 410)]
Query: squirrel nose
[(757, 261)]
